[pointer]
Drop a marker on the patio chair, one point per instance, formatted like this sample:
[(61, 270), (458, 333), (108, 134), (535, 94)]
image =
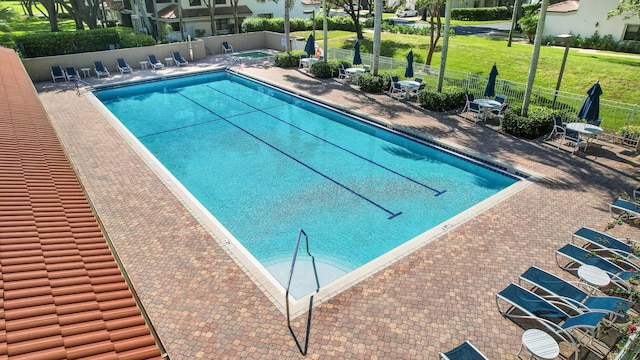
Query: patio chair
[(575, 256), (419, 79), (626, 210), (155, 64), (500, 98), (499, 112), (72, 74), (571, 329), (226, 47), (57, 73), (300, 63), (573, 138), (558, 129), (123, 67), (413, 92), (470, 99), (474, 108), (342, 74), (597, 122), (464, 351), (100, 69), (600, 242), (367, 68), (180, 61), (557, 289), (397, 91)]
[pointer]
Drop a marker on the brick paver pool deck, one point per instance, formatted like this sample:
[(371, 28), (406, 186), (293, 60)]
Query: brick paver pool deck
[(203, 305)]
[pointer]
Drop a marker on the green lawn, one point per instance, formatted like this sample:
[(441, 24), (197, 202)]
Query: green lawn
[(23, 24), (617, 74)]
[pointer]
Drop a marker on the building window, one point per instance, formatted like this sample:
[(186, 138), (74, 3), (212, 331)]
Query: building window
[(265, 16), (632, 32), (221, 2), (195, 2), (175, 26)]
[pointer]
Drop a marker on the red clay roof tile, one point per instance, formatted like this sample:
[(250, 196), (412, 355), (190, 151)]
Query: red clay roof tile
[(63, 295)]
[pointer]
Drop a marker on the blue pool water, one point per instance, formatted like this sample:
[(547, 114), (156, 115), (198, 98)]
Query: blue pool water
[(266, 164)]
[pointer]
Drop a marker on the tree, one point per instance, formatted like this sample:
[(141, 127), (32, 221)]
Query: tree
[(352, 8), (529, 25), (26, 7), (628, 8), (433, 8), (51, 7), (288, 5), (83, 11), (211, 4)]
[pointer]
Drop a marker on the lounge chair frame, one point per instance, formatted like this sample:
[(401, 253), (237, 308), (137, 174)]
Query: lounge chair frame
[(57, 75), (465, 351), (605, 244), (625, 209)]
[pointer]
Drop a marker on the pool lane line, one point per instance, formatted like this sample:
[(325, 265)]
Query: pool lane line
[(436, 191), (178, 128), (391, 213)]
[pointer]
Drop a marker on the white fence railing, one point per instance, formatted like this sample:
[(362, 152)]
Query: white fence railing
[(569, 103)]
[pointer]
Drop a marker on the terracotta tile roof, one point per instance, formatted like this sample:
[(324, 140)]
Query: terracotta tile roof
[(171, 11), (565, 6), (63, 295)]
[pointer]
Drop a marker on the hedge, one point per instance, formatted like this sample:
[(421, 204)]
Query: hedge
[(538, 122), (481, 14), (277, 24), (72, 42), (451, 97)]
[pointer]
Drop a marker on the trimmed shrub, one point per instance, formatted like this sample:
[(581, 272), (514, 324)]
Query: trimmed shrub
[(321, 70), (451, 97), (372, 83), (289, 60), (277, 24), (481, 14), (633, 132), (6, 39), (72, 42), (538, 122)]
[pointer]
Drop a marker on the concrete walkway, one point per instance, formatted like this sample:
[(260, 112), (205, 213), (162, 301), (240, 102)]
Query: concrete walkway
[(204, 305)]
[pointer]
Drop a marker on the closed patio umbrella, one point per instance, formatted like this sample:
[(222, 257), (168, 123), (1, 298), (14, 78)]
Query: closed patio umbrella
[(356, 53), (408, 73), (490, 90), (310, 47), (590, 109)]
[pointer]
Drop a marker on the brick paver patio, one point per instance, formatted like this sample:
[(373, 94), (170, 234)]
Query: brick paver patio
[(203, 305)]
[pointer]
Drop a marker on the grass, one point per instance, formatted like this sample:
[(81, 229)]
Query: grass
[(475, 54), (23, 24)]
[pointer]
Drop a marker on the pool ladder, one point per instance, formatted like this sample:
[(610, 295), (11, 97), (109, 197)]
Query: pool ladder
[(77, 83), (293, 264), (234, 61)]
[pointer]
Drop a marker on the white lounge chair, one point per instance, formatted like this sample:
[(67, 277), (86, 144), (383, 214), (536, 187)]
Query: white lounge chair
[(628, 210), (155, 64), (123, 67), (226, 47), (180, 61), (100, 69), (57, 73)]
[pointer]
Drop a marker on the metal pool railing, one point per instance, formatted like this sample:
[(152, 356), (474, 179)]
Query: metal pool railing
[(619, 118)]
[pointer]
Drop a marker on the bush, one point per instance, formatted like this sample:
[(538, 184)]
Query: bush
[(632, 132), (372, 83), (6, 39), (529, 25), (451, 97), (538, 122), (277, 24), (321, 70), (289, 60), (72, 42), (481, 14)]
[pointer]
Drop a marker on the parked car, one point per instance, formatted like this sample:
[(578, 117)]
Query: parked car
[(406, 12)]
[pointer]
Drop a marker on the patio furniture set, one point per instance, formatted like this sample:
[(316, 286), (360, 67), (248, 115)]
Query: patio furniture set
[(71, 74), (405, 89), (484, 109), (576, 134), (550, 308)]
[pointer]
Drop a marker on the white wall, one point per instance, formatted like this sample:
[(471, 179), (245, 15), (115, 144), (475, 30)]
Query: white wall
[(590, 16)]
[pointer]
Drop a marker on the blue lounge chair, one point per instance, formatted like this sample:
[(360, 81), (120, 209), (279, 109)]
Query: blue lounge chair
[(180, 61), (155, 64), (558, 289), (100, 69), (57, 73), (600, 242), (625, 209), (72, 74), (123, 67), (226, 47), (578, 256), (464, 351), (530, 306)]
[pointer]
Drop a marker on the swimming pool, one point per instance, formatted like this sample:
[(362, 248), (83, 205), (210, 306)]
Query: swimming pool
[(266, 163)]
